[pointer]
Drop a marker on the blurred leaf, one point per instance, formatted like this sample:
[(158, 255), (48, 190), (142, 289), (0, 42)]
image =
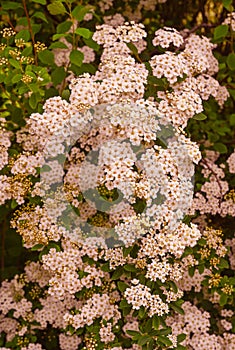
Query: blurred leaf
[(231, 61), (84, 32), (58, 75), (42, 2), (221, 31), (11, 5), (46, 57), (220, 147), (16, 78), (40, 15), (92, 44), (200, 116), (232, 119), (56, 8), (63, 27), (23, 34), (223, 299), (58, 45), (79, 12), (76, 57)]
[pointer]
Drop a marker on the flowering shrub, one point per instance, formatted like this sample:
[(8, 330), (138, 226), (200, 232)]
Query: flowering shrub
[(117, 158)]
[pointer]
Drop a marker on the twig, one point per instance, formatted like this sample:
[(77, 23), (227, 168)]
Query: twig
[(31, 31)]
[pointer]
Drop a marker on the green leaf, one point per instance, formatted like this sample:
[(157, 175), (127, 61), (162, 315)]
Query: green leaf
[(221, 31), (223, 264), (79, 12), (16, 78), (130, 268), (122, 286), (223, 299), (23, 34), (56, 8), (84, 32), (42, 2), (231, 61), (177, 309), (117, 273), (166, 341), (37, 247), (232, 119), (63, 27), (220, 147), (228, 4), (27, 51), (41, 16), (173, 286), (181, 337), (200, 116), (141, 312), (14, 63), (58, 36), (92, 44), (46, 57), (143, 340), (156, 322), (76, 57), (58, 45), (14, 204), (33, 100), (58, 75), (133, 48), (36, 28), (11, 5), (123, 304)]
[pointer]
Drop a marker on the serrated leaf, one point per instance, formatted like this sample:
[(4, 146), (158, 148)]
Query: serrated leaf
[(220, 147), (221, 31), (84, 32), (76, 57), (56, 8), (46, 57), (63, 27), (231, 61)]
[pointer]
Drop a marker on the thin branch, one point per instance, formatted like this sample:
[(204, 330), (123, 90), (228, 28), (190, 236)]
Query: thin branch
[(30, 31)]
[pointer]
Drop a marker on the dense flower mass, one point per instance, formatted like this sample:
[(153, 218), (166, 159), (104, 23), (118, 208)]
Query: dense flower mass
[(117, 168)]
